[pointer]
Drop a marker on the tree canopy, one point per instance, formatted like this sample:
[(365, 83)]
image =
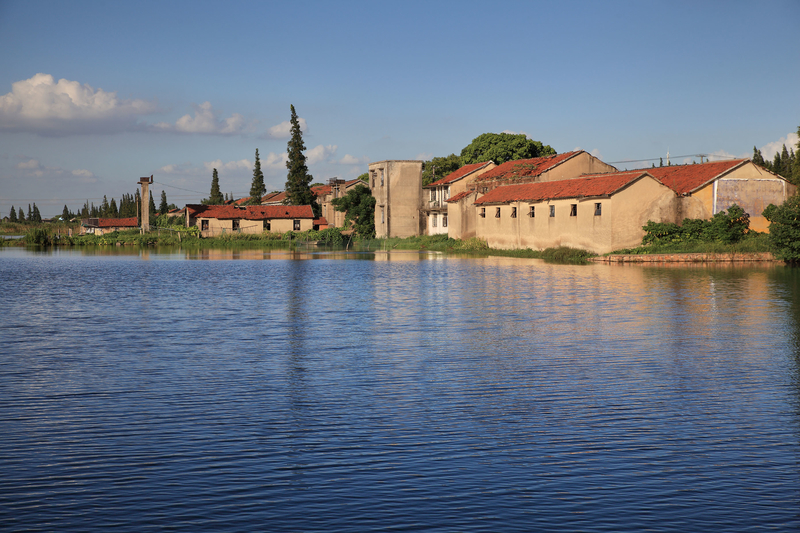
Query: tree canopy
[(502, 147), (298, 180), (359, 204), (784, 229), (439, 167)]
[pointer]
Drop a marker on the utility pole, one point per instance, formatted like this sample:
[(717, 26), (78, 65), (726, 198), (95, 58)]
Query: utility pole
[(145, 183)]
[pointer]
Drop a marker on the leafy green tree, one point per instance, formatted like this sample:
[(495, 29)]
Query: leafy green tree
[(364, 177), (439, 167), (215, 198), (163, 207), (359, 206), (784, 229), (12, 217), (298, 181), (502, 147), (257, 189)]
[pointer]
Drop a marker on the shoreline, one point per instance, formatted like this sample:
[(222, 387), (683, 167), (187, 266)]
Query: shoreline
[(761, 257)]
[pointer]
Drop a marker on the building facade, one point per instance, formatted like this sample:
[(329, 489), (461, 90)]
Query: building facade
[(397, 188)]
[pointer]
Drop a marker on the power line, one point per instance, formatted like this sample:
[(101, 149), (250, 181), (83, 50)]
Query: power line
[(707, 156)]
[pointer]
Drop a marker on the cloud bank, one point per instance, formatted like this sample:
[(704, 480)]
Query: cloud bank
[(284, 129), (43, 106), (769, 150), (206, 121)]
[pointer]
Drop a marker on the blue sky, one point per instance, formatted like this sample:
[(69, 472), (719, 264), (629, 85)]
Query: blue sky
[(94, 95)]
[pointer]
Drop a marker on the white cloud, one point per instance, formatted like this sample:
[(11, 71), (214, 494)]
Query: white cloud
[(597, 154), (350, 160), (516, 133), (284, 129), (28, 165), (34, 168), (274, 160), (320, 153), (424, 156), (230, 166), (769, 150), (206, 121), (43, 106)]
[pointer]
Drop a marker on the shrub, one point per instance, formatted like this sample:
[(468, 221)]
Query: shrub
[(784, 229)]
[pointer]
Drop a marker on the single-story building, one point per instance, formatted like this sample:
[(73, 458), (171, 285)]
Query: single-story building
[(101, 226), (215, 220), (600, 213)]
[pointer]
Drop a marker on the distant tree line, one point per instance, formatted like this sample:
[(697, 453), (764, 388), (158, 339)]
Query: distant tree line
[(786, 162)]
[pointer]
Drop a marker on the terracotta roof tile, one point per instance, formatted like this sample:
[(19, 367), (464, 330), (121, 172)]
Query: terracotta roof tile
[(684, 179), (132, 222), (321, 190), (458, 196), (460, 173), (594, 186), (321, 221), (526, 168), (252, 212)]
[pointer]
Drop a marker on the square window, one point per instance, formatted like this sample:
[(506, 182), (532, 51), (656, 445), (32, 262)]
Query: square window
[(296, 225), (267, 225), (573, 210), (533, 212), (235, 225), (204, 225), (598, 209), (513, 212), (552, 210)]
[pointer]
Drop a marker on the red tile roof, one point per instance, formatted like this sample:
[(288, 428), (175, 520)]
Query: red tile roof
[(594, 186), (684, 179), (526, 168), (276, 198), (458, 196), (321, 221), (321, 190), (252, 212), (118, 222), (458, 174)]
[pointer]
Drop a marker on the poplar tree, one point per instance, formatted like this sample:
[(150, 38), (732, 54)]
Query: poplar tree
[(12, 217), (21, 217), (257, 189), (30, 213), (215, 198), (36, 216), (152, 207), (65, 214), (298, 183), (112, 209)]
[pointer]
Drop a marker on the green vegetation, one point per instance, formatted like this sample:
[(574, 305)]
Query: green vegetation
[(215, 198), (502, 147), (257, 189), (784, 229), (439, 167), (298, 180), (359, 205)]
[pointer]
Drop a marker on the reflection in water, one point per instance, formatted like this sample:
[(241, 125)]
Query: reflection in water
[(229, 389)]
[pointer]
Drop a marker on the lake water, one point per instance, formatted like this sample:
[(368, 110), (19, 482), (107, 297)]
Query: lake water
[(279, 391)]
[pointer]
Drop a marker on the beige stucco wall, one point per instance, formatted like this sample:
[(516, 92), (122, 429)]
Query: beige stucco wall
[(461, 218), (398, 199), (618, 226), (574, 167), (218, 227), (750, 187)]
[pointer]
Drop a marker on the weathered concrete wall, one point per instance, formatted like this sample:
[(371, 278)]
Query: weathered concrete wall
[(397, 188), (218, 227)]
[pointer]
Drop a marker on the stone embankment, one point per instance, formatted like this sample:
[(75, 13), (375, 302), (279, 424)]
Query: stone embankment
[(685, 258)]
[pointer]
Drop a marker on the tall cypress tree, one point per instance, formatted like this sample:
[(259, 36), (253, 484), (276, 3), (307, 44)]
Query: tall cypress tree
[(112, 209), (12, 217), (163, 207), (152, 207), (758, 159), (257, 189), (215, 198), (21, 217), (298, 183), (37, 216)]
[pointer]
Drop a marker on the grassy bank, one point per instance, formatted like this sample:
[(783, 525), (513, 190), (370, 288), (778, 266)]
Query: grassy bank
[(752, 243)]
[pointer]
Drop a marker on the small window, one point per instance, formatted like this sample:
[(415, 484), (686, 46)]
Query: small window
[(497, 213), (598, 209), (433, 220), (373, 179), (296, 225), (433, 195), (552, 210), (447, 193), (204, 225), (513, 212), (267, 226), (383, 217), (235, 225), (381, 177), (573, 210), (532, 212), (444, 221), (483, 212)]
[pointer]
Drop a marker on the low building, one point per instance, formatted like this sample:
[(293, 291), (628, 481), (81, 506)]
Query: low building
[(600, 213), (216, 220), (335, 188), (101, 226), (439, 192), (397, 188)]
